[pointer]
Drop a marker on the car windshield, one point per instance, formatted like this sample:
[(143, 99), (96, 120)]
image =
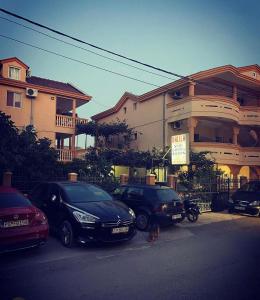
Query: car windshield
[(13, 200), (86, 193), (167, 195)]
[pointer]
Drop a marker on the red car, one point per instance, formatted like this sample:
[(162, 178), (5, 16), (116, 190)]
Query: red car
[(22, 225)]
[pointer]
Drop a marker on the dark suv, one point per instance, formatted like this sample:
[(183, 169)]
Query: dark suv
[(146, 200), (246, 200)]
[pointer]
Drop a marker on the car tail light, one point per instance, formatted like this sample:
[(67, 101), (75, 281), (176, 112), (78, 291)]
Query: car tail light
[(161, 208), (39, 219)]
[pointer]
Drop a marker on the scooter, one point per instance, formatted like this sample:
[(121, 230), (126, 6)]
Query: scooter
[(191, 208)]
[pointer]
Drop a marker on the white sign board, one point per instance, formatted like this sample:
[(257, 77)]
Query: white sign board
[(180, 149)]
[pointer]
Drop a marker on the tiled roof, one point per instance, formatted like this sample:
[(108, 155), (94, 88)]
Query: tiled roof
[(53, 84)]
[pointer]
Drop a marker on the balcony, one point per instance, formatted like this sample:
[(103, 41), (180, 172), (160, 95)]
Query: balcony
[(213, 106), (65, 155), (69, 122), (226, 153)]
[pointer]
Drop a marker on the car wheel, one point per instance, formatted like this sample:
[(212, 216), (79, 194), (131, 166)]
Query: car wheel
[(192, 216), (142, 221), (230, 211), (66, 234)]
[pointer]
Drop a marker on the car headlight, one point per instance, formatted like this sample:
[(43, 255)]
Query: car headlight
[(131, 212), (255, 203), (84, 217)]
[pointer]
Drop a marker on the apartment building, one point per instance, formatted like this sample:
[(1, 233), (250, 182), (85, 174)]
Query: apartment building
[(219, 108), (50, 106)]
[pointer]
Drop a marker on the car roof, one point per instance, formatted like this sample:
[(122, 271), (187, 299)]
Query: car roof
[(147, 186), (7, 189), (66, 183)]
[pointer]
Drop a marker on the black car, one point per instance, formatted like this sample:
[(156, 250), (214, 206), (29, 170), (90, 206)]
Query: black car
[(149, 200), (84, 213), (246, 199)]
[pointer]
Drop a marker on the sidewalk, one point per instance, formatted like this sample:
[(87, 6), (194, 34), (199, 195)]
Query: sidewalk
[(182, 230)]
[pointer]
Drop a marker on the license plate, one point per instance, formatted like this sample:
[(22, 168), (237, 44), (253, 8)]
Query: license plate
[(15, 223), (240, 208), (120, 230), (174, 217)]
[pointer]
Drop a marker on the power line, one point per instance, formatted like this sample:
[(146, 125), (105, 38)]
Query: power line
[(78, 61), (114, 53), (87, 50), (91, 45)]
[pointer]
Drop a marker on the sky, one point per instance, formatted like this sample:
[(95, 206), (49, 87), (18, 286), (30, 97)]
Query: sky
[(181, 36)]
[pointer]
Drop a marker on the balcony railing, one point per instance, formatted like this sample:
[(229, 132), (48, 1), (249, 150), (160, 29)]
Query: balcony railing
[(65, 155), (213, 106), (69, 122), (225, 153)]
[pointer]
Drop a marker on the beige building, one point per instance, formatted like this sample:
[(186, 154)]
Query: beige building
[(219, 108), (50, 106)]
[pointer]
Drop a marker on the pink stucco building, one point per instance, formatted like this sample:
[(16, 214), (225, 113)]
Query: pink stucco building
[(219, 108), (50, 106)]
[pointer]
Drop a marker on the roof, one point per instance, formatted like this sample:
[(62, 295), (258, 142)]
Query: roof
[(249, 68), (178, 84), (5, 60), (53, 84)]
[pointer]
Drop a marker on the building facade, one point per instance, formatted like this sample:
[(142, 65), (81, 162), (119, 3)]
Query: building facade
[(219, 108), (50, 106)]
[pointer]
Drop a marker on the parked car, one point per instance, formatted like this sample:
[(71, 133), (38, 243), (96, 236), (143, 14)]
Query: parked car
[(146, 200), (246, 199), (83, 212), (22, 225)]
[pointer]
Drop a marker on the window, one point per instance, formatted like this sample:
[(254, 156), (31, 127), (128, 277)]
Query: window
[(14, 73), (14, 99), (135, 106), (254, 74), (125, 110), (134, 193), (135, 136), (13, 200)]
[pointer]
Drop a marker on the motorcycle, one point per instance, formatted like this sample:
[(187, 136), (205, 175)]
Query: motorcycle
[(191, 208)]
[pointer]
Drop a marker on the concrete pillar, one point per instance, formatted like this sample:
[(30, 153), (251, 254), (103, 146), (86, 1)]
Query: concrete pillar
[(235, 171), (7, 178), (73, 177), (172, 181), (150, 179), (191, 88), (123, 179), (235, 135), (234, 96), (192, 124)]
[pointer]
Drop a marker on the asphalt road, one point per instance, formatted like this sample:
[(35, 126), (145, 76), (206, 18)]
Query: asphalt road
[(216, 258)]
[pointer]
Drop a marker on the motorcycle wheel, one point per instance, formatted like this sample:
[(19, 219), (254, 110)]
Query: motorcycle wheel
[(192, 216)]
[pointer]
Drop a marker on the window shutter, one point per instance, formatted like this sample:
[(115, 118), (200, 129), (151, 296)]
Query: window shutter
[(10, 98)]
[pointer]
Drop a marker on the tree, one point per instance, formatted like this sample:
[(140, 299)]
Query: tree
[(21, 152), (103, 131), (201, 170), (9, 153)]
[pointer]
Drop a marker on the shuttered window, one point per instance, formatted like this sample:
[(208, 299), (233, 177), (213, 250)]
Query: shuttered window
[(14, 99)]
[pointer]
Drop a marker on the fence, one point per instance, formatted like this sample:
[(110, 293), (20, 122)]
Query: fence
[(211, 194)]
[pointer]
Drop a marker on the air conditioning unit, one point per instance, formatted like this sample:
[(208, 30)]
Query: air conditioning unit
[(177, 95), (31, 92), (176, 125)]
